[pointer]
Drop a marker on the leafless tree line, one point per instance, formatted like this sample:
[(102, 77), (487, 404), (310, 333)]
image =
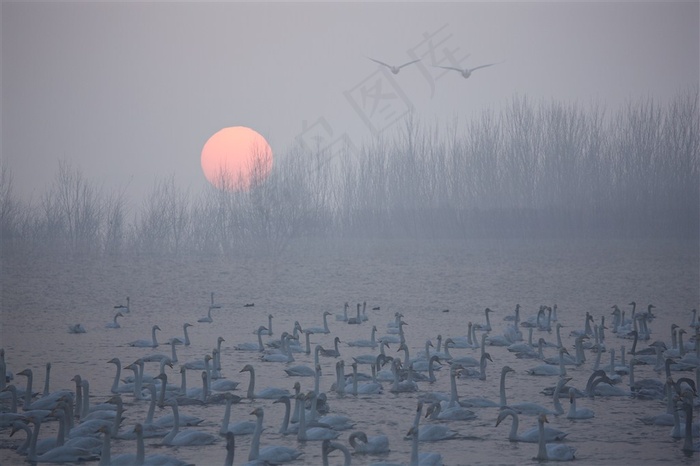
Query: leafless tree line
[(545, 168)]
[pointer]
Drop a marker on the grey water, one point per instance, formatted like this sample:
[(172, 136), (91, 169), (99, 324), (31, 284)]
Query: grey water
[(438, 287)]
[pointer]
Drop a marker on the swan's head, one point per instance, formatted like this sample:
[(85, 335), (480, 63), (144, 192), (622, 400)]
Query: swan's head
[(118, 314), (162, 376), (503, 415), (507, 369), (411, 432), (185, 325), (487, 356), (282, 399), (114, 361), (327, 313), (487, 310), (355, 436), (572, 394), (542, 418), (247, 368), (138, 428), (27, 372), (155, 327)]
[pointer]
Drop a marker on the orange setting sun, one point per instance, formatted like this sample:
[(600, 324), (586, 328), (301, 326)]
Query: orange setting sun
[(236, 158)]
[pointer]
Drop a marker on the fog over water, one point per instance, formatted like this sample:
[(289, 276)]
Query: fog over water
[(564, 176), (42, 296)]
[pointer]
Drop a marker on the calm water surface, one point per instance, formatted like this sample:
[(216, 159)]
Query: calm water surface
[(41, 297)]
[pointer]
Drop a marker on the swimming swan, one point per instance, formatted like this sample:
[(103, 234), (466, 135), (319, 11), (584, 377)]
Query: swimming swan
[(114, 324), (530, 435), (186, 437), (271, 454), (271, 393), (373, 445), (552, 451), (146, 343)]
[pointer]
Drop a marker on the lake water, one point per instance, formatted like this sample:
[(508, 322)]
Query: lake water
[(42, 296)]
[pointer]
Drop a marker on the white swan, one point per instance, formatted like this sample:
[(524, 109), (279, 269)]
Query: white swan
[(271, 454), (77, 328), (122, 307), (344, 316), (207, 318), (580, 413), (186, 437), (371, 343), (531, 435), (140, 457), (253, 346), (327, 447), (237, 428), (311, 433), (355, 320), (431, 432), (147, 343), (114, 324), (186, 341), (393, 68), (487, 326), (331, 353), (323, 329), (470, 372), (376, 444), (548, 369), (435, 412), (267, 330), (271, 393), (466, 72), (551, 451), (421, 459)]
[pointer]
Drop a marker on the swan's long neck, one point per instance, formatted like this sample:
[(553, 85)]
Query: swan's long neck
[(612, 360), (301, 433), (138, 380), (255, 443), (151, 405), (227, 417), (46, 381), (261, 347), (354, 379), (562, 367), (482, 368), (28, 393), (503, 389), (269, 324), (542, 450), (153, 336), (117, 416), (307, 336), (405, 354), (287, 413), (140, 448), (117, 376), (414, 448), (325, 323), (514, 426), (106, 452), (559, 343), (176, 425), (555, 398), (183, 382), (454, 398), (187, 337), (205, 387), (688, 441), (31, 455), (85, 410), (251, 385)]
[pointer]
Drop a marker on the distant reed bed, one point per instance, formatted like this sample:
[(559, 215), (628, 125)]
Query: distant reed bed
[(530, 169)]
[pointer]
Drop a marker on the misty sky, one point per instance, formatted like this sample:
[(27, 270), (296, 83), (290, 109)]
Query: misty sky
[(131, 92)]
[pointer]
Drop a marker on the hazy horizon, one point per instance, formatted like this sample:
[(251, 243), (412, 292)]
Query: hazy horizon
[(129, 93)]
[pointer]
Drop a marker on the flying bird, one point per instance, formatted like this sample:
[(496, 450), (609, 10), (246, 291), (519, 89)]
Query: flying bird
[(466, 72), (394, 69)]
